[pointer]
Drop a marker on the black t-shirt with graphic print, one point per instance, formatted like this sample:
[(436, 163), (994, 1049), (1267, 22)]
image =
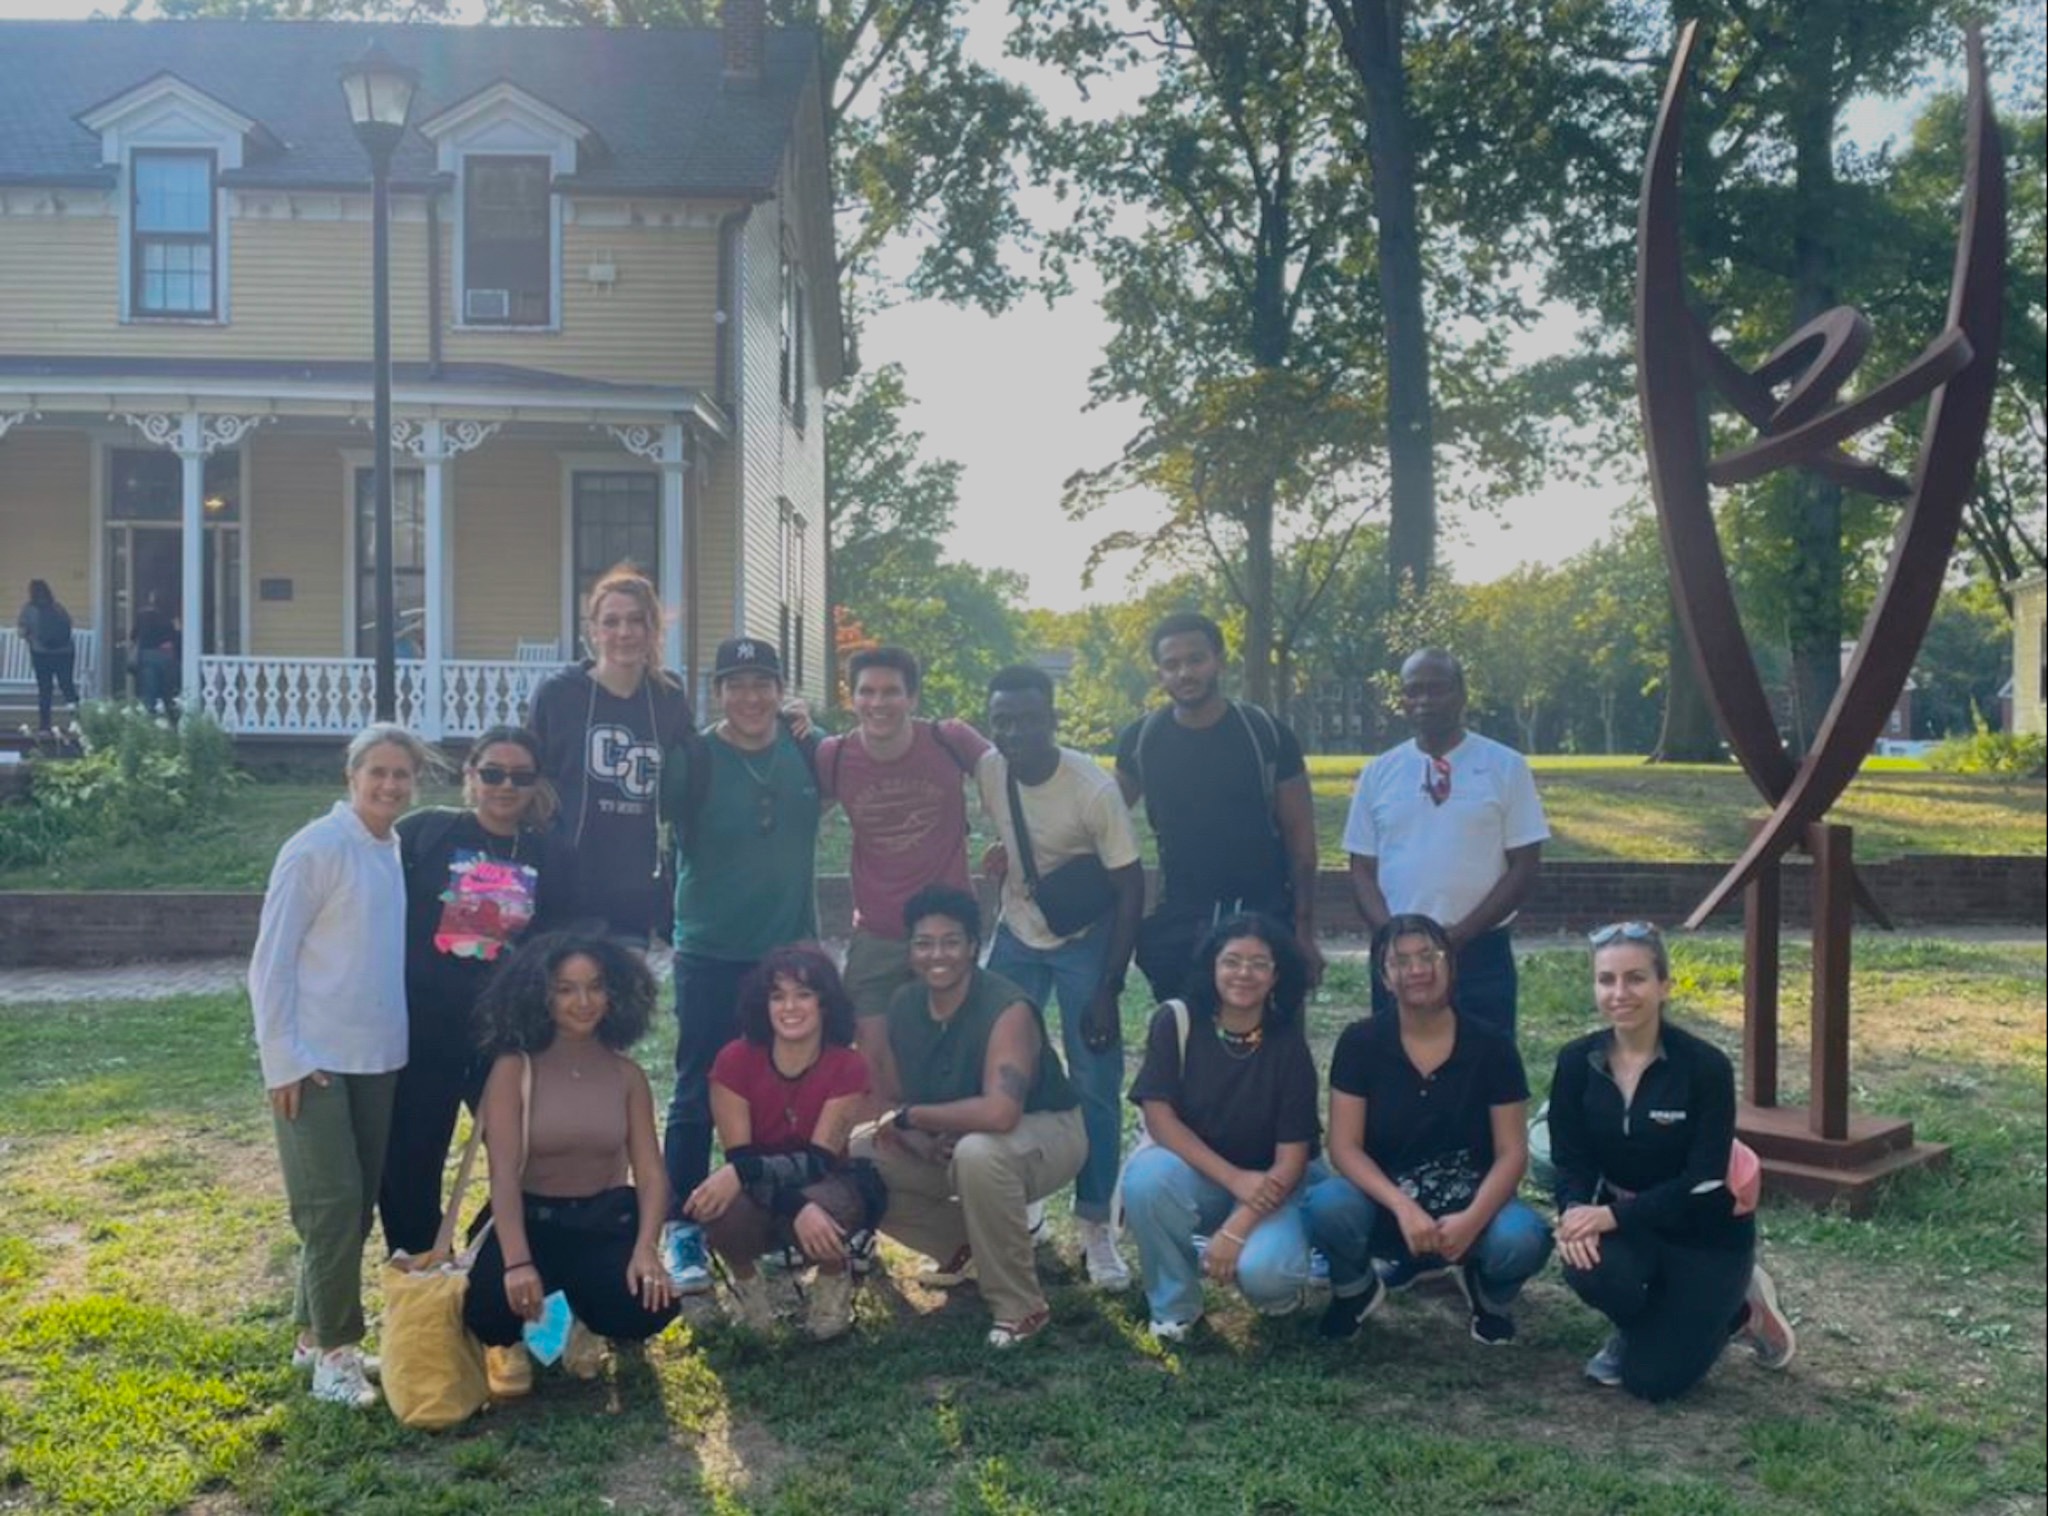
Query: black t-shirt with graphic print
[(602, 752)]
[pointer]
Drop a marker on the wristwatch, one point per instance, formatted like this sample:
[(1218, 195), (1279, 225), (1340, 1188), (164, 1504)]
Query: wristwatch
[(901, 1120)]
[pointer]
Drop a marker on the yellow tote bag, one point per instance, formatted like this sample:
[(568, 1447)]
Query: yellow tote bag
[(433, 1367)]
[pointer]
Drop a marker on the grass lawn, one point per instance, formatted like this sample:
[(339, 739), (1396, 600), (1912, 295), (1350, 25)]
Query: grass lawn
[(1604, 808), (144, 1265)]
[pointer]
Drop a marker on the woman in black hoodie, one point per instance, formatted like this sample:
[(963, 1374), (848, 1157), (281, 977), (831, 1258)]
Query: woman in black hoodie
[(603, 726)]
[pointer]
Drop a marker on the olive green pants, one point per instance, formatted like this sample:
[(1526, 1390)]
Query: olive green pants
[(333, 1160)]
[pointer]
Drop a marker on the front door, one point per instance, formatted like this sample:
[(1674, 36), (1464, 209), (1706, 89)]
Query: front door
[(143, 552)]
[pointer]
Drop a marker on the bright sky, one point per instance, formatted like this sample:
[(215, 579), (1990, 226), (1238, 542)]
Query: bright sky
[(1006, 397)]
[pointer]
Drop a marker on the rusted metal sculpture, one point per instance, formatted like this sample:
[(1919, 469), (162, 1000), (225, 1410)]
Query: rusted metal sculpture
[(1829, 1154)]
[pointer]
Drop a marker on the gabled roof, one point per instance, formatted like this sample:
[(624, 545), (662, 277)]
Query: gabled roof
[(653, 96)]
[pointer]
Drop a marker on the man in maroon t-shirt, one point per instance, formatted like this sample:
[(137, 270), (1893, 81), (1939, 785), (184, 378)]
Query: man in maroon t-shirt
[(903, 784)]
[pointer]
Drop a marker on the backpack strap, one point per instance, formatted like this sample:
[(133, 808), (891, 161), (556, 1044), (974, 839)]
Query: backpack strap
[(1265, 736), (938, 736), (1146, 731), (1180, 1028)]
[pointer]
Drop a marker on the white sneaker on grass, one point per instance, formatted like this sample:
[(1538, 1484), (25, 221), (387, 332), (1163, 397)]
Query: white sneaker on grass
[(1106, 1267), (829, 1310), (305, 1355), (338, 1378)]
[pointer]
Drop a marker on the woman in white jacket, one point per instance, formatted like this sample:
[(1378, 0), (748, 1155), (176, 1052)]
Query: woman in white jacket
[(328, 985)]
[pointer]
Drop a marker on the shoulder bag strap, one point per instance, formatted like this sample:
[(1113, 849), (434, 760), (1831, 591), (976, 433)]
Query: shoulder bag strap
[(1180, 1027), (1025, 860), (444, 1239)]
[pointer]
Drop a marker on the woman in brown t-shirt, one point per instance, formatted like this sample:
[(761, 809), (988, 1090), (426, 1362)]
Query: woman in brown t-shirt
[(569, 1124)]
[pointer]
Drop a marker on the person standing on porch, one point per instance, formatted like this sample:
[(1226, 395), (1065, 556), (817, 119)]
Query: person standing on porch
[(603, 726), (45, 628), (159, 649), (1068, 851), (1448, 826), (327, 984)]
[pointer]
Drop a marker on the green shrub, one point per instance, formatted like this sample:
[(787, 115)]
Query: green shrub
[(2018, 755), (138, 780)]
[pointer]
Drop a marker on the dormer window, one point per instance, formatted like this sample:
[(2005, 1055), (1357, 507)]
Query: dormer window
[(508, 242), (173, 230)]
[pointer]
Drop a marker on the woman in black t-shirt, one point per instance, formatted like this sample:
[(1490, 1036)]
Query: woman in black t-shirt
[(1642, 1127), (478, 881), (1228, 1089), (1427, 1138)]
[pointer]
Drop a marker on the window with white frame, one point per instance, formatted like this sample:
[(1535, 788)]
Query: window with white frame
[(173, 232), (408, 561), (508, 249), (792, 619), (615, 520), (790, 334)]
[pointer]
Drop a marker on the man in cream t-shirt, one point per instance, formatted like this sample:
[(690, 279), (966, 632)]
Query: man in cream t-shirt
[(1448, 825), (1072, 810)]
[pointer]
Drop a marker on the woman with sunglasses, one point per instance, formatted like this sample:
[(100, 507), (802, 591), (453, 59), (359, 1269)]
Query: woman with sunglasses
[(1427, 1135), (1642, 1124), (1228, 1088), (478, 880)]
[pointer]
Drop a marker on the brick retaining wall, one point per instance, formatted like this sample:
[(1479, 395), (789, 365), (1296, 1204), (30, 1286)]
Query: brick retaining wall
[(74, 928)]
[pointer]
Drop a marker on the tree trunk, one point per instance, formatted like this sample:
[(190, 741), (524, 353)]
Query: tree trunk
[(1689, 734), (1815, 591), (1258, 585), (1608, 700), (1372, 39)]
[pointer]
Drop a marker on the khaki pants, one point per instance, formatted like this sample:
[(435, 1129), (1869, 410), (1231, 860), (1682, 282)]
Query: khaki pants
[(876, 968), (333, 1161), (979, 1199)]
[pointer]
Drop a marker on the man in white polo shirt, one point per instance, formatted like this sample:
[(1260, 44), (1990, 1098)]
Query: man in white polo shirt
[(1448, 825)]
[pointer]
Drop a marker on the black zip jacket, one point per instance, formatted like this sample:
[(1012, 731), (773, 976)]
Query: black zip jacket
[(1667, 1148)]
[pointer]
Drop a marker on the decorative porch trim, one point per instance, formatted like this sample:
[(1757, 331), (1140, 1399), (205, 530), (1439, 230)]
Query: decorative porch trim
[(9, 420)]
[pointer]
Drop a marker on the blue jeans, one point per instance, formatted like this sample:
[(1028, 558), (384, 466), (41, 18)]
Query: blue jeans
[(707, 1018), (1166, 1203), (1341, 1219), (1073, 970), (1486, 986)]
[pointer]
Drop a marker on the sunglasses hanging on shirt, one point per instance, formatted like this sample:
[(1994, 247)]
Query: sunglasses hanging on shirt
[(1436, 779)]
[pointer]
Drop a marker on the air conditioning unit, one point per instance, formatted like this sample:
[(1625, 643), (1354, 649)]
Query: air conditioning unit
[(487, 305)]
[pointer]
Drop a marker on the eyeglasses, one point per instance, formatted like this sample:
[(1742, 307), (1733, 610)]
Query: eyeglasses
[(1629, 931), (1428, 958), (519, 779), (1230, 963), (1436, 779)]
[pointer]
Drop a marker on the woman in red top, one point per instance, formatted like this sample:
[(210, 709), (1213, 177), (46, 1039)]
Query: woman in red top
[(784, 1095)]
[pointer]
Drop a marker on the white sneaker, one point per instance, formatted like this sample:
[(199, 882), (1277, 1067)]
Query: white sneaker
[(1106, 1267), (683, 1256), (305, 1355), (750, 1305), (1171, 1331), (830, 1310), (338, 1379)]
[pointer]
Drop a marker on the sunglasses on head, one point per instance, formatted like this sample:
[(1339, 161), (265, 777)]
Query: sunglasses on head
[(1626, 931), (520, 779)]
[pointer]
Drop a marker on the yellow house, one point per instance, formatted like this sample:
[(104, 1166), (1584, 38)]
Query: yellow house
[(2029, 685), (614, 314)]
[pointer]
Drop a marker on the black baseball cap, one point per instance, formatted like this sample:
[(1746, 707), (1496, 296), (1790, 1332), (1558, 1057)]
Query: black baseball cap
[(746, 655)]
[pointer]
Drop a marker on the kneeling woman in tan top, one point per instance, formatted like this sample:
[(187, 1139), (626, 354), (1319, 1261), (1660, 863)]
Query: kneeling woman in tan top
[(569, 1124)]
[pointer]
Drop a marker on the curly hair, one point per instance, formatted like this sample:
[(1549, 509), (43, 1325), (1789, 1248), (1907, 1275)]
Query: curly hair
[(803, 963), (1413, 924), (943, 900), (514, 1013), (1290, 969)]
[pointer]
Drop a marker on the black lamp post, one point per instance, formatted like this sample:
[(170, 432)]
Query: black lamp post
[(379, 91)]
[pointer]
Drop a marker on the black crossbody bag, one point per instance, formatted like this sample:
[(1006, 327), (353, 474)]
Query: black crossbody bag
[(1074, 896)]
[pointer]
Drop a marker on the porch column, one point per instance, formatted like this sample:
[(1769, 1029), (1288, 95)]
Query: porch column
[(192, 549), (672, 549), (434, 455)]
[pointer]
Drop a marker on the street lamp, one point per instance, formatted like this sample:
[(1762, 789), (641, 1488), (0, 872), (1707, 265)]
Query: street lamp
[(379, 91)]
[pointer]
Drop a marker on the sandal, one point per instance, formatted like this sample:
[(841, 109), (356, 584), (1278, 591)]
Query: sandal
[(1007, 1334)]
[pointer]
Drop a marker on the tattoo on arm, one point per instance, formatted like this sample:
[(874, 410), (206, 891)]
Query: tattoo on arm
[(1012, 1082)]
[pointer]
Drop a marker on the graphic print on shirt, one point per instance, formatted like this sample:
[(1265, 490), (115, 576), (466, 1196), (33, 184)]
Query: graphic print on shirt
[(896, 815), (615, 756), (487, 903)]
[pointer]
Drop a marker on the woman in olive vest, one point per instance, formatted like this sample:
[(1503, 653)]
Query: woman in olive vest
[(984, 1121)]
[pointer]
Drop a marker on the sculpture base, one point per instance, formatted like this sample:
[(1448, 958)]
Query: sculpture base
[(1847, 1171)]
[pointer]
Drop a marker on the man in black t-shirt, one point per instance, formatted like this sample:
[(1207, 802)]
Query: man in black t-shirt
[(1226, 792)]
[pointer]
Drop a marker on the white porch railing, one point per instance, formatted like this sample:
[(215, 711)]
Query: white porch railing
[(17, 669), (336, 697)]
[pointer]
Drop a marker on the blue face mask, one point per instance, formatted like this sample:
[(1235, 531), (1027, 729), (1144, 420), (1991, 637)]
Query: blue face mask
[(546, 1337)]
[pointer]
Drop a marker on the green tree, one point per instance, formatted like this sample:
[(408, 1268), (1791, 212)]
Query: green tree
[(1963, 663), (1518, 648)]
